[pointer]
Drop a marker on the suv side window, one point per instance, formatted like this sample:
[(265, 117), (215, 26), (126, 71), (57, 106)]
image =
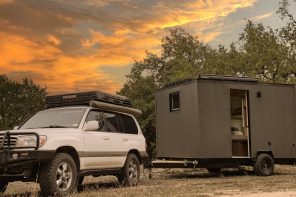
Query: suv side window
[(129, 124), (97, 116), (112, 123)]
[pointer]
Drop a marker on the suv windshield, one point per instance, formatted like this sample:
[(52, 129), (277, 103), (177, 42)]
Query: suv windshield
[(55, 118)]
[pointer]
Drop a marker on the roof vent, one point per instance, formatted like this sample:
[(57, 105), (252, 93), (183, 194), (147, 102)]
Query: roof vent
[(227, 78)]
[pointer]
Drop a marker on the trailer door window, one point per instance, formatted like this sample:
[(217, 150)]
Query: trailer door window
[(174, 101), (239, 123)]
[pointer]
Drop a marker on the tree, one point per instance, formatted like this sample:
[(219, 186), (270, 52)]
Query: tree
[(265, 56), (288, 36), (182, 57), (18, 101)]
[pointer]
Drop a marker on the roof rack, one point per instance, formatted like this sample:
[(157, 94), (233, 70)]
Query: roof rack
[(83, 98), (212, 77), (174, 83), (227, 78)]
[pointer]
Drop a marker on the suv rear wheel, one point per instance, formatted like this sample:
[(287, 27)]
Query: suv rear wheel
[(59, 176), (130, 175)]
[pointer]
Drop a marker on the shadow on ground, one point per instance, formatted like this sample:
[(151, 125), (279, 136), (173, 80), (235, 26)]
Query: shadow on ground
[(224, 173), (85, 187)]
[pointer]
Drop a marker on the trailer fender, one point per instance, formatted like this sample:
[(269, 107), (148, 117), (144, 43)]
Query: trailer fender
[(269, 152)]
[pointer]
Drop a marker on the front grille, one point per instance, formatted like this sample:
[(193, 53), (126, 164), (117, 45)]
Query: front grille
[(10, 141)]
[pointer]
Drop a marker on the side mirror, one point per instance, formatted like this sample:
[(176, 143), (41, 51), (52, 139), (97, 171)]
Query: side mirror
[(91, 126), (16, 127)]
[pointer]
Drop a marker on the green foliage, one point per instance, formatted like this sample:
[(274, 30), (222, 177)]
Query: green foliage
[(265, 56), (182, 57), (18, 101)]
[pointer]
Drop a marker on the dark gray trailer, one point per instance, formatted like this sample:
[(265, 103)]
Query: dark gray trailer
[(219, 122)]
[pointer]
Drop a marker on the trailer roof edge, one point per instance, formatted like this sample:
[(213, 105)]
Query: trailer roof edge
[(219, 78)]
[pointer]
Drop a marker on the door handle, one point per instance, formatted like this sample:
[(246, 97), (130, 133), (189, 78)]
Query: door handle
[(106, 138), (125, 139)]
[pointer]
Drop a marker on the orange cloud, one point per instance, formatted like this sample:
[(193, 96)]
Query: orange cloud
[(64, 45), (47, 65)]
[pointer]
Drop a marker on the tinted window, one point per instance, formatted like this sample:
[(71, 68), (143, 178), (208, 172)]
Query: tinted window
[(111, 122), (129, 124), (55, 118), (174, 101)]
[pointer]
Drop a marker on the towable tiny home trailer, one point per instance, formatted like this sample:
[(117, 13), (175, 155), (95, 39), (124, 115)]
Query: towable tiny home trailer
[(216, 122)]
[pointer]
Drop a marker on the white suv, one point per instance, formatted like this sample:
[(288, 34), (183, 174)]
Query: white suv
[(59, 146)]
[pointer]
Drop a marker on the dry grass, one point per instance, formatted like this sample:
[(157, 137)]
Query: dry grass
[(182, 182)]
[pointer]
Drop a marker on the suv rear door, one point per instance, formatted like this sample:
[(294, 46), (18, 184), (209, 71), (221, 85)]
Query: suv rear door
[(127, 139)]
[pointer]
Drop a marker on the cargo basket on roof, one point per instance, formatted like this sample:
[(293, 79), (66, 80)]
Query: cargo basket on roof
[(84, 98)]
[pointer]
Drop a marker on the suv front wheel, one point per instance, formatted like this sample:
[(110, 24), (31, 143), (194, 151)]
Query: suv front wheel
[(130, 175), (59, 176), (3, 186)]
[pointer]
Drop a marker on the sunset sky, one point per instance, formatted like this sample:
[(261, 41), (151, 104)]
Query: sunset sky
[(83, 45)]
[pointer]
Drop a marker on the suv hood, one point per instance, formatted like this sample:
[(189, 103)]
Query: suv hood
[(46, 131)]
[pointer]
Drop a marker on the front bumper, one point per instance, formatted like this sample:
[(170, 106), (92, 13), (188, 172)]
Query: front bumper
[(13, 158)]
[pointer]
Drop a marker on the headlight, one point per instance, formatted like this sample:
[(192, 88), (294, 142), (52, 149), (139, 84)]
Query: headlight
[(30, 141), (26, 141)]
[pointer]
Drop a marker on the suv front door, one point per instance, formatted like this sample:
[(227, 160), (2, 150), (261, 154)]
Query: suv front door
[(97, 152)]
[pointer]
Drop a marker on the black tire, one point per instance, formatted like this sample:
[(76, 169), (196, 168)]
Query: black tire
[(214, 170), (130, 175), (3, 186), (58, 177), (264, 165), (79, 184)]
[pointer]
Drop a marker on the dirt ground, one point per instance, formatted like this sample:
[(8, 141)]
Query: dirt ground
[(184, 182)]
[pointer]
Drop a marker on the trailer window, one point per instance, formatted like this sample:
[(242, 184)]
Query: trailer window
[(174, 101)]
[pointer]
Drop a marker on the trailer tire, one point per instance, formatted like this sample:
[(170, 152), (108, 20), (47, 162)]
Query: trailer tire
[(130, 175), (61, 168), (214, 170), (264, 165), (3, 186)]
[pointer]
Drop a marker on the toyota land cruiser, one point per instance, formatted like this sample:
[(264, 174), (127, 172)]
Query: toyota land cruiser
[(57, 147)]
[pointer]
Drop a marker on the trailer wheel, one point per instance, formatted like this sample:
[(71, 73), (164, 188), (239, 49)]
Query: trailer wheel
[(214, 170), (58, 177), (3, 186), (130, 175), (264, 165)]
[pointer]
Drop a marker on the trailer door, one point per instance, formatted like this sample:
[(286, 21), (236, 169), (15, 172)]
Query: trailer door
[(239, 115)]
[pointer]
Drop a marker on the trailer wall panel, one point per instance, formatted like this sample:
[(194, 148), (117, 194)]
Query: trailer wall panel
[(273, 121), (177, 131), (214, 135)]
